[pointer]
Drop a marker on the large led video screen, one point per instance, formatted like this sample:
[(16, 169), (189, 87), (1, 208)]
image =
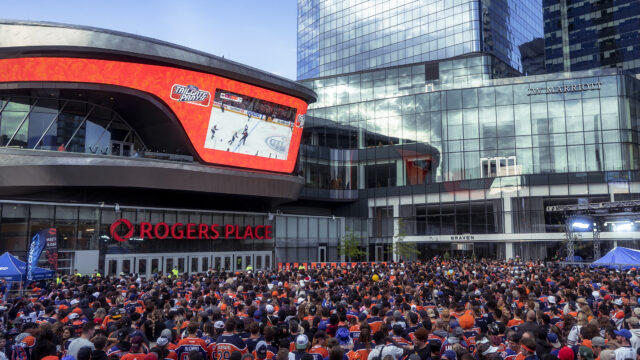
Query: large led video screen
[(247, 125), (228, 122)]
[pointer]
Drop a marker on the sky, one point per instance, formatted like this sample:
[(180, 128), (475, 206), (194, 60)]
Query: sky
[(259, 33)]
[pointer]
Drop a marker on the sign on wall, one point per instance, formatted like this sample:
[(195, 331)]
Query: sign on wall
[(123, 230)]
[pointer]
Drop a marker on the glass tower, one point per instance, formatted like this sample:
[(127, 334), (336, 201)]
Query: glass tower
[(338, 37), (584, 35)]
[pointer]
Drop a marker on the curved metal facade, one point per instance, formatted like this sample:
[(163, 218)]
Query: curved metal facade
[(164, 95), (18, 38)]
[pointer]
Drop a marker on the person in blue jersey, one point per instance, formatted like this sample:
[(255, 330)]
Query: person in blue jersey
[(254, 337), (229, 342)]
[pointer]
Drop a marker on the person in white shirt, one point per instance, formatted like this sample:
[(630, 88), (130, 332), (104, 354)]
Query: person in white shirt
[(382, 349), (625, 351), (83, 340)]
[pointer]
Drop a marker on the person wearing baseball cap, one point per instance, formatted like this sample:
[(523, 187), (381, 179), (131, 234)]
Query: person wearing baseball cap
[(162, 344), (607, 354), (301, 344), (554, 341), (597, 345), (634, 328), (584, 353), (625, 351), (264, 351)]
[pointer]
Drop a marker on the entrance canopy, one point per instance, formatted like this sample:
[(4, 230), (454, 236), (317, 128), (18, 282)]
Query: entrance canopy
[(13, 269), (619, 257)]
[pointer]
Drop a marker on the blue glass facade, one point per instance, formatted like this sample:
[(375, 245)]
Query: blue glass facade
[(338, 37), (470, 156), (583, 35)]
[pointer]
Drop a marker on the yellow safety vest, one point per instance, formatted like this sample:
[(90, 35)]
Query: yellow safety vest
[(58, 280), (175, 272), (98, 275), (249, 268), (78, 274)]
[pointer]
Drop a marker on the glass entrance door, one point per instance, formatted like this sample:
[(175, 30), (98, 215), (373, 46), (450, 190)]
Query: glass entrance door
[(148, 265), (238, 263), (125, 265)]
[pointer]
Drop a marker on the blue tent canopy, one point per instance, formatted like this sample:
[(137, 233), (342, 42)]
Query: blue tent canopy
[(13, 269), (619, 257)]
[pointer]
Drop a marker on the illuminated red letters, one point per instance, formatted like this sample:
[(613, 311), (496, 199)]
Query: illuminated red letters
[(145, 230), (156, 232), (202, 231), (214, 231), (193, 231)]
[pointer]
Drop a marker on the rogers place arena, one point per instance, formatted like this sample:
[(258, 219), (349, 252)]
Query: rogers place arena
[(144, 155)]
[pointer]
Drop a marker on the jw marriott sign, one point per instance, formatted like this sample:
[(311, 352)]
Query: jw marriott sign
[(565, 88)]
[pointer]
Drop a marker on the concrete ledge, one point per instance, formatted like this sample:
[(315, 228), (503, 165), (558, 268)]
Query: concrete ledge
[(49, 169)]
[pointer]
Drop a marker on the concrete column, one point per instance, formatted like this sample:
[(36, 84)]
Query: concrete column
[(508, 251), (508, 226), (396, 229), (506, 211)]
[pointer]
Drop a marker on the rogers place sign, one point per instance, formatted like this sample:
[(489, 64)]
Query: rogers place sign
[(123, 230)]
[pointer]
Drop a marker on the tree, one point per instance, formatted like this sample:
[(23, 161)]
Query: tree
[(350, 247), (404, 250)]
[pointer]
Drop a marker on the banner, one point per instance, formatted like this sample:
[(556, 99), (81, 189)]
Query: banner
[(51, 248), (35, 249)]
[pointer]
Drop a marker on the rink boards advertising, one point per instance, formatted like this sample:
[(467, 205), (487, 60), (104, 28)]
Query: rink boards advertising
[(228, 122)]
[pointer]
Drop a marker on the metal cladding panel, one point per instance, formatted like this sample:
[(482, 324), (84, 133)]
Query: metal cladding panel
[(32, 169), (204, 104), (18, 38)]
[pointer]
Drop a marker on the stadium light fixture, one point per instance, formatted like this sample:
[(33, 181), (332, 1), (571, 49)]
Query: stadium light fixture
[(623, 227), (581, 225)]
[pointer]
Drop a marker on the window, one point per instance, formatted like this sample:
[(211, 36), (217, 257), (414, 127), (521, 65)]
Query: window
[(142, 266), (194, 264), (322, 254), (499, 166)]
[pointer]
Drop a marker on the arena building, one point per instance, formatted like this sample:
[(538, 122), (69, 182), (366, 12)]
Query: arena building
[(145, 155)]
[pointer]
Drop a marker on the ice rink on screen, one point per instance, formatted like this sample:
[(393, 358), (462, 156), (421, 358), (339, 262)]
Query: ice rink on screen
[(260, 132)]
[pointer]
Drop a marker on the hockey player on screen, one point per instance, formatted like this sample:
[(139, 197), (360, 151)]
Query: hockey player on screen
[(243, 139), (233, 137), (213, 131)]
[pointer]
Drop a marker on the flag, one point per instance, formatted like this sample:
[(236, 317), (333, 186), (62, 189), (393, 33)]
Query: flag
[(35, 249)]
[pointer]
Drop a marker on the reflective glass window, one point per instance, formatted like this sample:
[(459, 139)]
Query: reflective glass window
[(14, 116), (486, 96), (504, 95), (40, 122), (454, 99)]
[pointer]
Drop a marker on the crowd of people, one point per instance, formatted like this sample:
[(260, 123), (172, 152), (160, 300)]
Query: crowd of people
[(440, 310)]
